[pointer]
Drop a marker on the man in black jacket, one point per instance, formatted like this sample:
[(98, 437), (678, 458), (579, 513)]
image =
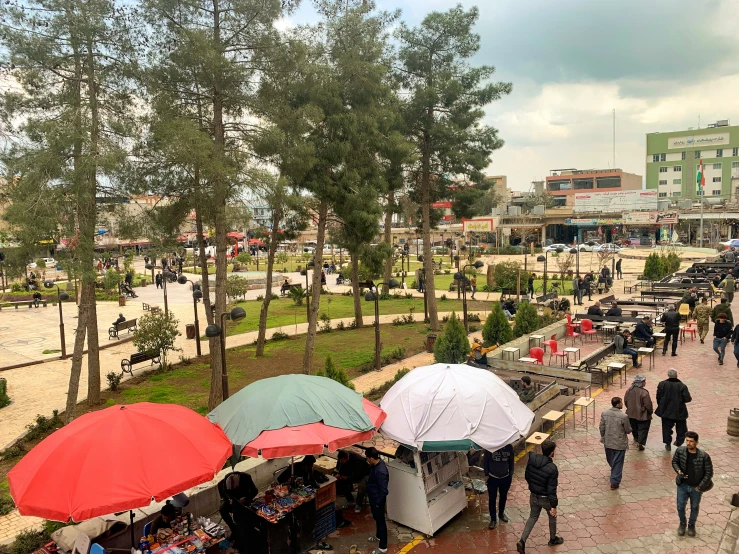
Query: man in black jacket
[(614, 310), (671, 319), (377, 484), (644, 332), (672, 397), (352, 468), (595, 309), (498, 468), (694, 473), (541, 476)]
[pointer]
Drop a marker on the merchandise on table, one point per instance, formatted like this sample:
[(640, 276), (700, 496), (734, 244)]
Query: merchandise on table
[(181, 540), (279, 500)]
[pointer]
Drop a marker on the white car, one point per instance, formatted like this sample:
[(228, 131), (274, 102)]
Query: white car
[(607, 247), (585, 247), (50, 262), (555, 247)]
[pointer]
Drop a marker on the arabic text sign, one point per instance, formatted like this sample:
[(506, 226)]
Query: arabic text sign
[(640, 218), (616, 201), (477, 225), (695, 141)]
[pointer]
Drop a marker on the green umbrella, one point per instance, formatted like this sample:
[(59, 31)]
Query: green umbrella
[(289, 401)]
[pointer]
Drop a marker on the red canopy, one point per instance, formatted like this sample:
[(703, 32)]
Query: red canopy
[(235, 235), (256, 242), (117, 459), (311, 438)]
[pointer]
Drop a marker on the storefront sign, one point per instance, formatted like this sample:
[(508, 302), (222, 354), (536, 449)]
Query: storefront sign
[(667, 218), (695, 141), (616, 201), (482, 225), (640, 218), (586, 221)]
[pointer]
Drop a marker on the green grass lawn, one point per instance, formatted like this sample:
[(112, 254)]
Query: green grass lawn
[(283, 312)]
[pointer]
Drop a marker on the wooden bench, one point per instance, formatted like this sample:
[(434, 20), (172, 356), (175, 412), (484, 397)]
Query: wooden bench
[(15, 304), (290, 287), (454, 285), (564, 377), (137, 358), (547, 400), (129, 325), (153, 308)]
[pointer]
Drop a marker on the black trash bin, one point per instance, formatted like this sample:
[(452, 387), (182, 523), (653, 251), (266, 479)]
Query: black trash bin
[(190, 331), (430, 340)]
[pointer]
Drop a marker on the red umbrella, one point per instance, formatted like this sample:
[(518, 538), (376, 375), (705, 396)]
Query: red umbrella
[(312, 437), (117, 459)]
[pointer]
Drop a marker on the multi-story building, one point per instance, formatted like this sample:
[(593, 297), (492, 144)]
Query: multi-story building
[(500, 186), (673, 159), (564, 184)]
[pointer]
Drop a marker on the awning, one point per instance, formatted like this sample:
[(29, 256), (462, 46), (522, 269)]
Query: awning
[(235, 235)]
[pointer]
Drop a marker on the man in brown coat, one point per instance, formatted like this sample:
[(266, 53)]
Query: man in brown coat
[(639, 409)]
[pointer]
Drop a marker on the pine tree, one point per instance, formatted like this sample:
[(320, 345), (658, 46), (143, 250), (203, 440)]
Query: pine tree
[(337, 374), (452, 346), (496, 328), (527, 319)]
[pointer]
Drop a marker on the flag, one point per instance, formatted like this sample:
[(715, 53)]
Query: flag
[(700, 178)]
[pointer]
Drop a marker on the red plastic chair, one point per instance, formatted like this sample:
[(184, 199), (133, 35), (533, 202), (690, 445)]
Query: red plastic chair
[(553, 351), (570, 332), (691, 330), (586, 327), (546, 343), (537, 353)]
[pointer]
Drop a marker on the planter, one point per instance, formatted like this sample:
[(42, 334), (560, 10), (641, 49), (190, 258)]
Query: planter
[(121, 300), (143, 282)]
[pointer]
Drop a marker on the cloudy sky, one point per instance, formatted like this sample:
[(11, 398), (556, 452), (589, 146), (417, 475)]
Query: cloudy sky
[(661, 64)]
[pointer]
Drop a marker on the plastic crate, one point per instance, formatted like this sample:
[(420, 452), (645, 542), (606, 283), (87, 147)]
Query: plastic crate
[(325, 522)]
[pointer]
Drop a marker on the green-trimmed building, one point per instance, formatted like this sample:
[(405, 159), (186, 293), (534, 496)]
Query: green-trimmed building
[(673, 158)]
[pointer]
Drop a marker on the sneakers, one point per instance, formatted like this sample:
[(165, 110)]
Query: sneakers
[(493, 524), (681, 530), (357, 509), (614, 487), (641, 447), (691, 530), (557, 540), (503, 517), (521, 547), (379, 551)]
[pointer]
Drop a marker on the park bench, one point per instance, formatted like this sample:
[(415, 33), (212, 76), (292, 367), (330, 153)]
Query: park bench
[(129, 325), (137, 358), (546, 297), (454, 285), (17, 303), (548, 399), (153, 308), (290, 287)]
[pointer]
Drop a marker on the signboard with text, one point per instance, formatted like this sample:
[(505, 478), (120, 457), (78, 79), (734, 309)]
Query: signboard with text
[(640, 218), (616, 201), (594, 221), (698, 141), (481, 225)]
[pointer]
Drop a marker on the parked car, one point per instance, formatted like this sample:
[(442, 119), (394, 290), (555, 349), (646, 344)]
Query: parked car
[(555, 247), (50, 262), (609, 246), (585, 247)]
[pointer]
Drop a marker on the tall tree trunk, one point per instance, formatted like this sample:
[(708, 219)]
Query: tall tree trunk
[(261, 338), (93, 350), (310, 340), (428, 268), (358, 319), (205, 282), (388, 239), (79, 347)]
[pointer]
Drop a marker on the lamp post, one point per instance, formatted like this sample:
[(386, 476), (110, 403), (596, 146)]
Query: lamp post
[(423, 276), (197, 294), (545, 259), (576, 251), (60, 296), (309, 265), (462, 282), (165, 274), (373, 296), (215, 330)]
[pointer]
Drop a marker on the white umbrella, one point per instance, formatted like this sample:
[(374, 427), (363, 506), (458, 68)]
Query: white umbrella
[(454, 407)]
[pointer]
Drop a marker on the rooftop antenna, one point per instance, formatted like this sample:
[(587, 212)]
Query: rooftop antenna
[(614, 138)]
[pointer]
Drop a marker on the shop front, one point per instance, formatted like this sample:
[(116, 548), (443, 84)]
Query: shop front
[(596, 228), (641, 228)]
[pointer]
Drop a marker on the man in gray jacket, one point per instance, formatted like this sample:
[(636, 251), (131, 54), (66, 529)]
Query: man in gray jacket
[(614, 434)]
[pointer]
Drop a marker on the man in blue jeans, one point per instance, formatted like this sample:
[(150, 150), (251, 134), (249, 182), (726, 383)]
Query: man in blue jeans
[(694, 473), (615, 429), (721, 335)]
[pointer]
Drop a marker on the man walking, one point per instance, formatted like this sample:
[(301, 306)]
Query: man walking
[(639, 410), (702, 314), (498, 467), (722, 308), (576, 298), (473, 286), (619, 273), (671, 319), (377, 484), (735, 340), (672, 397), (694, 473), (729, 286), (614, 434), (541, 476), (721, 335), (587, 282)]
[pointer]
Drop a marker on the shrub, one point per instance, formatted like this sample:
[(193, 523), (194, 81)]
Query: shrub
[(6, 504), (474, 328), (244, 257), (297, 295), (443, 297), (237, 286), (452, 345), (654, 267), (326, 323), (114, 380), (352, 324), (496, 328), (28, 541), (4, 398), (505, 275), (527, 319), (340, 326), (409, 295), (43, 425), (157, 332), (473, 317), (41, 263), (378, 392), (398, 353), (112, 279), (260, 297), (337, 374), (279, 335), (672, 262)]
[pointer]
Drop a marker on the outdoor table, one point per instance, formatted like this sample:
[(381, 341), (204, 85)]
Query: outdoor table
[(537, 338), (528, 360), (554, 416), (645, 351), (620, 367), (571, 350), (659, 335), (584, 402), (536, 439), (609, 329), (510, 351)]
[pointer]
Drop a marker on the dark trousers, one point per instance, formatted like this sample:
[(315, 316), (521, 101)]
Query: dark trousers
[(378, 513), (673, 334), (615, 459), (345, 488), (495, 487), (681, 427), (537, 504), (640, 429)]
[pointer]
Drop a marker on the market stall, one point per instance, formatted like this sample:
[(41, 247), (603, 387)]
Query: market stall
[(440, 412)]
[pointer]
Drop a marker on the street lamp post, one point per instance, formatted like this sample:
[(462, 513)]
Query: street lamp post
[(215, 330), (462, 282), (309, 265), (197, 294), (423, 275), (545, 259), (165, 274), (60, 296), (373, 296), (576, 251)]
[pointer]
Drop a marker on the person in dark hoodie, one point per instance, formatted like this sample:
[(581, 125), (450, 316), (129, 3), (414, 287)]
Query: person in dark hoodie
[(498, 467), (671, 319), (672, 397), (541, 476)]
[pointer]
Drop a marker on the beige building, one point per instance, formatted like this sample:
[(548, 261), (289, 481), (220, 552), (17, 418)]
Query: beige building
[(500, 185)]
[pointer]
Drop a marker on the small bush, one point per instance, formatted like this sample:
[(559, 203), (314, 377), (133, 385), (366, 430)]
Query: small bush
[(114, 380), (275, 296), (6, 504), (340, 326), (347, 293), (297, 295), (409, 295), (28, 541), (527, 320), (473, 317), (496, 328), (278, 336), (385, 295), (398, 321), (447, 271), (43, 425), (15, 287), (260, 297), (443, 298), (474, 328), (4, 398), (352, 324), (18, 450), (452, 345), (398, 353), (386, 359), (326, 323), (337, 374)]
